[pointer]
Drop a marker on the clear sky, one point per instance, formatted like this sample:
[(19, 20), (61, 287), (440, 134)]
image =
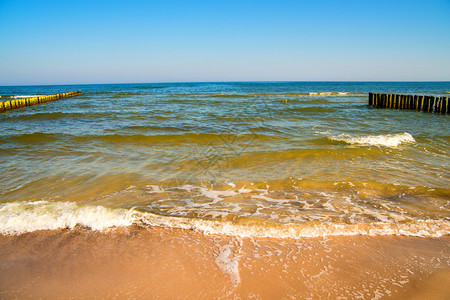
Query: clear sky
[(64, 42)]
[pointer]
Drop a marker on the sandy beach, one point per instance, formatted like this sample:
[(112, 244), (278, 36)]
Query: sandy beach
[(158, 263)]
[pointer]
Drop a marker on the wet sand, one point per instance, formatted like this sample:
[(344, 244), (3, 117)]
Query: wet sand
[(161, 263)]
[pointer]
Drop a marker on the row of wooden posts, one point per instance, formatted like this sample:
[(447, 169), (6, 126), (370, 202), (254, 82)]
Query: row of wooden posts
[(22, 102), (432, 104)]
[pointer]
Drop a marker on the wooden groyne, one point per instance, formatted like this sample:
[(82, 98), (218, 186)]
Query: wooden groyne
[(22, 102), (432, 104)]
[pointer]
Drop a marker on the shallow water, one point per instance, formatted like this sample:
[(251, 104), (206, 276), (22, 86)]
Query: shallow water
[(290, 159)]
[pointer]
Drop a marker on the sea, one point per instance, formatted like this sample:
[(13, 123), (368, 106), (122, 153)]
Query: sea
[(248, 159)]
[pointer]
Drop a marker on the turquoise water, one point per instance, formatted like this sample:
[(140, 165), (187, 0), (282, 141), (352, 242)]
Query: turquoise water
[(275, 159)]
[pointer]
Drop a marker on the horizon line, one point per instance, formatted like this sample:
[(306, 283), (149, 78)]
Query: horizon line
[(225, 81)]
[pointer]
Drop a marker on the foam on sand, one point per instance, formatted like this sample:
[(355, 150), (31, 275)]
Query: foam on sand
[(228, 263)]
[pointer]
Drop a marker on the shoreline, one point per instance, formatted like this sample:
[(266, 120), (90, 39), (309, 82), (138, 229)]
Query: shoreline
[(163, 263), (236, 191)]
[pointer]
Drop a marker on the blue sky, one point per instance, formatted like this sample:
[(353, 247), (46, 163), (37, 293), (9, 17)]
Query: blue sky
[(64, 42)]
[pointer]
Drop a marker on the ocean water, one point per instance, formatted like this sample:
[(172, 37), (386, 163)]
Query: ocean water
[(281, 159)]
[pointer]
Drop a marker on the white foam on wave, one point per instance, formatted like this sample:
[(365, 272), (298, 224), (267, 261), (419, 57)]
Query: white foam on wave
[(424, 228), (155, 189), (25, 96), (328, 93), (389, 140), (21, 217)]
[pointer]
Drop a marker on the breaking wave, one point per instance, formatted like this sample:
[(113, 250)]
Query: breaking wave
[(389, 140), (21, 217)]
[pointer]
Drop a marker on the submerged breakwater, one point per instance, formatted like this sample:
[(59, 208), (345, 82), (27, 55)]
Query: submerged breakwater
[(431, 104), (29, 101)]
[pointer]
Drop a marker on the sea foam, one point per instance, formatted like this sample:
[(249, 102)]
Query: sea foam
[(389, 140), (328, 93), (25, 96), (21, 217)]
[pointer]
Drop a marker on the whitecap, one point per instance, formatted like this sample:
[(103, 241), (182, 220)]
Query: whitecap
[(388, 140), (21, 217)]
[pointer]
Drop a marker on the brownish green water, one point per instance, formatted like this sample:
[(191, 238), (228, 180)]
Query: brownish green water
[(287, 159)]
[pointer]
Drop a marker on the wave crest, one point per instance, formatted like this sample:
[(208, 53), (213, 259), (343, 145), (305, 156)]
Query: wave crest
[(21, 217), (389, 140)]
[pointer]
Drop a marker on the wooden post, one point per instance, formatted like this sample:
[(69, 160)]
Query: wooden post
[(431, 106), (438, 105), (448, 105), (370, 99)]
